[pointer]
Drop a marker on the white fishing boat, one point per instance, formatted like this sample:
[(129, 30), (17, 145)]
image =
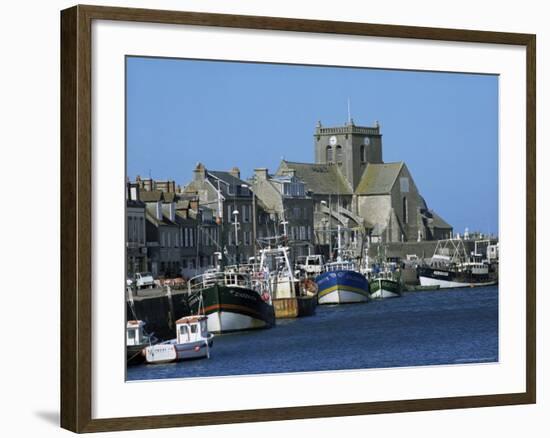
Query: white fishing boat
[(193, 341), (311, 265), (136, 340)]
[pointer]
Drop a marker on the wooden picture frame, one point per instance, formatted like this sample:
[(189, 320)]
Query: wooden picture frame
[(76, 217)]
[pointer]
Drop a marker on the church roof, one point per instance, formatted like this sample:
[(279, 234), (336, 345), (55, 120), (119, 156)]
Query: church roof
[(438, 222), (378, 179), (321, 179)]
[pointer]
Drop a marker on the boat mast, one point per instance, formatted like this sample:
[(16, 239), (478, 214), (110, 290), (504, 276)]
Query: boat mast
[(339, 249)]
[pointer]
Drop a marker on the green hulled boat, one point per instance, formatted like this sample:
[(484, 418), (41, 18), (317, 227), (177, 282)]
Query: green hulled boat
[(230, 301)]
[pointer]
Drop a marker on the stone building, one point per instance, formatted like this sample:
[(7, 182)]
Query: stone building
[(198, 236), (163, 234), (136, 249), (354, 189), (233, 204), (285, 198)]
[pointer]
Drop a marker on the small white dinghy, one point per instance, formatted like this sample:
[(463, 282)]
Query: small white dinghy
[(193, 341)]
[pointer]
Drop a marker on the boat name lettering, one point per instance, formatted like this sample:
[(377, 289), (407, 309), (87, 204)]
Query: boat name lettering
[(238, 294), (445, 274)]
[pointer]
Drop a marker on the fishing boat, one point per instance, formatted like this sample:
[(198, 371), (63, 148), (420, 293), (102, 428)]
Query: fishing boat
[(451, 267), (231, 301), (385, 282), (311, 265), (136, 340), (193, 341), (341, 283), (291, 296)]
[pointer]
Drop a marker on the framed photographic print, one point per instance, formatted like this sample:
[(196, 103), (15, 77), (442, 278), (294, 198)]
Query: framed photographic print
[(279, 218)]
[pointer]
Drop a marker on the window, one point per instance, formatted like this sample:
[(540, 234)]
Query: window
[(363, 153), (339, 154), (329, 154), (247, 213), (184, 332), (405, 210), (162, 242)]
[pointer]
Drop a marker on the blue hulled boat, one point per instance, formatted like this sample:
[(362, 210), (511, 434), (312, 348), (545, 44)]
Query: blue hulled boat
[(341, 283)]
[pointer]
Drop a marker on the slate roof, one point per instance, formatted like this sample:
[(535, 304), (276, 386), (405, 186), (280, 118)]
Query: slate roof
[(378, 179), (322, 179), (438, 221), (152, 196), (236, 184), (150, 215), (170, 197)]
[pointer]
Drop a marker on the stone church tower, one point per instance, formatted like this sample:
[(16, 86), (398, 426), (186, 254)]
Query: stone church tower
[(349, 147)]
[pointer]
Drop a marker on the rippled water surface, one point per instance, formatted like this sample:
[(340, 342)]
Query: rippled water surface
[(420, 328)]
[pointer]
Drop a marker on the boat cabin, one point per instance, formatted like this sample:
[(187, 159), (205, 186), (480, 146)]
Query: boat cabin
[(341, 265), (135, 334), (311, 264), (191, 329)]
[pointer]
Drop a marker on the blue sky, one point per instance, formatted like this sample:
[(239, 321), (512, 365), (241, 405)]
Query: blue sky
[(443, 125)]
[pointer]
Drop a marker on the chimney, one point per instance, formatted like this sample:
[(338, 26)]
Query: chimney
[(235, 172), (261, 174), (158, 210), (134, 192), (199, 174)]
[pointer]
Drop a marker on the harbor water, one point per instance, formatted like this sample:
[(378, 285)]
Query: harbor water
[(421, 328)]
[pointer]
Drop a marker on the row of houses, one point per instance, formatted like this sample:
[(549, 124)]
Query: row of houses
[(348, 195), (173, 231)]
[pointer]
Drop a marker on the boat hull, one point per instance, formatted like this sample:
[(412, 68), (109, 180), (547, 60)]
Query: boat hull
[(173, 352), (133, 354), (230, 309), (384, 288), (295, 307), (341, 287), (449, 279)]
